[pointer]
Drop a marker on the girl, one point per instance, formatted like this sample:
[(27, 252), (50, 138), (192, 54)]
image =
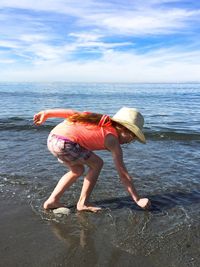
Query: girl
[(74, 140)]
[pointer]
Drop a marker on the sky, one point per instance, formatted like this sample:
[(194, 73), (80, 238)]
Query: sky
[(100, 41)]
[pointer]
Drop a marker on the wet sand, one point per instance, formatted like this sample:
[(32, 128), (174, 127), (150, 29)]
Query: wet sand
[(29, 240), (25, 239)]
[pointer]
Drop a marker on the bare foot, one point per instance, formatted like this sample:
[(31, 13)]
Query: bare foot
[(144, 203), (88, 207), (52, 205)]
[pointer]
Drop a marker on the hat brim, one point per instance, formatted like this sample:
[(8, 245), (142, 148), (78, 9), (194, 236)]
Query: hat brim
[(133, 128)]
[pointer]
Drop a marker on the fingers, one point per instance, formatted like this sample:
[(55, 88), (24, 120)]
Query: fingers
[(37, 119), (144, 203)]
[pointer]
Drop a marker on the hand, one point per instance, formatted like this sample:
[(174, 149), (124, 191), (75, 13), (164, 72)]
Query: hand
[(39, 118), (144, 203)]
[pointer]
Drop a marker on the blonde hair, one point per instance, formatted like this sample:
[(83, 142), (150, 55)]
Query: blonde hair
[(85, 117), (95, 118)]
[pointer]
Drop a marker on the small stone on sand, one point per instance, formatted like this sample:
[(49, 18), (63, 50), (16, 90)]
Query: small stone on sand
[(62, 210)]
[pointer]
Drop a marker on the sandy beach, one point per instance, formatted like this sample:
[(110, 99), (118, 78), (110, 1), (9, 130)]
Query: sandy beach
[(29, 240), (25, 239)]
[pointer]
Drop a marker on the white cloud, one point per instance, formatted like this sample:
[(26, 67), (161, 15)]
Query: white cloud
[(37, 49), (162, 66), (44, 52), (82, 37), (9, 44), (131, 17), (94, 41), (6, 61), (146, 21), (32, 38)]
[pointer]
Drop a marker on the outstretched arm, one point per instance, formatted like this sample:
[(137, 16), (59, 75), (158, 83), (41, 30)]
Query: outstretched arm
[(113, 145), (42, 116)]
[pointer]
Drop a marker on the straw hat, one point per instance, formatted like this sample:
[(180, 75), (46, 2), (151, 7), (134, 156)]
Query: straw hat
[(133, 120)]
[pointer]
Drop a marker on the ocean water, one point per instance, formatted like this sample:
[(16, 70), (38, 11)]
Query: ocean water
[(166, 170)]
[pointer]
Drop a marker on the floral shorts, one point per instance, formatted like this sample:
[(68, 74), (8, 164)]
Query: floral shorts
[(66, 150)]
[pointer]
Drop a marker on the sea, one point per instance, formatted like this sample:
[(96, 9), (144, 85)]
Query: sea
[(166, 170)]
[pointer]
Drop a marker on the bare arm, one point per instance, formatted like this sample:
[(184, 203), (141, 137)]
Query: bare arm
[(113, 145), (42, 116)]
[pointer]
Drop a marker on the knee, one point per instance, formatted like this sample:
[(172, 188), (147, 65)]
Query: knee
[(99, 163), (78, 170), (95, 163)]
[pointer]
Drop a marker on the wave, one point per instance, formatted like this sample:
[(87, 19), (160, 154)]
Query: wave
[(22, 124), (26, 124), (175, 136)]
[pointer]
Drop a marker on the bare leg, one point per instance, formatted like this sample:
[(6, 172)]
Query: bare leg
[(95, 164), (64, 183)]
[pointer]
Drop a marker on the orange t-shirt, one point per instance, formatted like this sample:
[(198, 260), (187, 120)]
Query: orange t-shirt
[(90, 136)]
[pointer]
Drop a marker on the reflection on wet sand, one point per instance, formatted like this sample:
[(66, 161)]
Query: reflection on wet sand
[(123, 230)]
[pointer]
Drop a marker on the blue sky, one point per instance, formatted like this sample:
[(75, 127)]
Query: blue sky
[(100, 41)]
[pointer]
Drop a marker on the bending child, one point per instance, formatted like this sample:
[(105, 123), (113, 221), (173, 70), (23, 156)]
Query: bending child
[(74, 140)]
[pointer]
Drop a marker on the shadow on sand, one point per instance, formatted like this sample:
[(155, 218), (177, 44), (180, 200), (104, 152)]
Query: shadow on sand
[(159, 202)]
